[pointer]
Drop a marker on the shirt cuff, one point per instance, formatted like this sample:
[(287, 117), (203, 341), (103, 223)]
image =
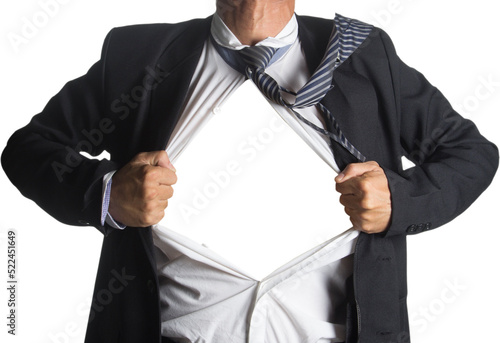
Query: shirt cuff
[(106, 196)]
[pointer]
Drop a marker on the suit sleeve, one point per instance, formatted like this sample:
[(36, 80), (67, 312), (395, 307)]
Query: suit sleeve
[(454, 162), (43, 161)]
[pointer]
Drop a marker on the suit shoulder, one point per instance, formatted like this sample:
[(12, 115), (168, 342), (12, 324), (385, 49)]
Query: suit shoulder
[(377, 40), (313, 20), (141, 31), (142, 37), (343, 22)]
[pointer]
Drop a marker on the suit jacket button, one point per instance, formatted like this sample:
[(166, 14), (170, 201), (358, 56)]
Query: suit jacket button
[(83, 222), (427, 226), (411, 229)]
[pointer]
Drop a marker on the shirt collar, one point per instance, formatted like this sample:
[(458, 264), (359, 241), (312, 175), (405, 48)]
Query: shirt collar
[(224, 37)]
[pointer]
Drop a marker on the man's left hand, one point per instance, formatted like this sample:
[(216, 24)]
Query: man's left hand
[(365, 196)]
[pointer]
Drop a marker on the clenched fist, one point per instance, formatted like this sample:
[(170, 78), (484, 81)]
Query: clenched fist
[(366, 196), (141, 189)]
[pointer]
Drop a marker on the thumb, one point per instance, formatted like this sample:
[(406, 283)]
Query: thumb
[(356, 169), (160, 159)]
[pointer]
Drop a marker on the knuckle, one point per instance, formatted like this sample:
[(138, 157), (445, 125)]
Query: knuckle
[(150, 174), (342, 199), (159, 217), (150, 193), (364, 185), (149, 219), (142, 173), (161, 153), (365, 218), (365, 227), (144, 221), (139, 157), (146, 209), (174, 178), (170, 192), (366, 203), (351, 167), (150, 207), (367, 230), (337, 187)]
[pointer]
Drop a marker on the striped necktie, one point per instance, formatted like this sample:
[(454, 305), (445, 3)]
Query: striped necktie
[(257, 58)]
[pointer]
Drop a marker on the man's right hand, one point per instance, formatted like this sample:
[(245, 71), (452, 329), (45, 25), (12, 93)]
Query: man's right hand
[(141, 189)]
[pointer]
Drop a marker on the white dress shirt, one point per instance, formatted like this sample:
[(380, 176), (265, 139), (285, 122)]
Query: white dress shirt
[(214, 81), (205, 297)]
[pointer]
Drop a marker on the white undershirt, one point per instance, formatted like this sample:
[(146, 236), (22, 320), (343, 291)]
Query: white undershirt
[(204, 297)]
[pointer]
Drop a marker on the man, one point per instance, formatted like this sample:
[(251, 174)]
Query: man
[(381, 105)]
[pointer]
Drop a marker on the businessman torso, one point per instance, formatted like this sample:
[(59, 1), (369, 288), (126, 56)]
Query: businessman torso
[(146, 93)]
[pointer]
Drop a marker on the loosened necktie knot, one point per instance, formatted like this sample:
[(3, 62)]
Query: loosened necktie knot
[(257, 57)]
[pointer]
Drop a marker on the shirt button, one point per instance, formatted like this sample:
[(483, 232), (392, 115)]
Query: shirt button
[(216, 110)]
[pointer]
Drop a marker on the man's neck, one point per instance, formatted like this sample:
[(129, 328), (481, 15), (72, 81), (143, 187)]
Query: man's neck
[(252, 21)]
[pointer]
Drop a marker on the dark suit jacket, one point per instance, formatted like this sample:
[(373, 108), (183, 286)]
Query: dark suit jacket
[(130, 101)]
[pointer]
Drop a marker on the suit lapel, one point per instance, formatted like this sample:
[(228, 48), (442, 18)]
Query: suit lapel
[(174, 71), (343, 100), (314, 34)]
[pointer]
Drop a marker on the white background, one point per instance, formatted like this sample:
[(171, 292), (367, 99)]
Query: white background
[(452, 271)]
